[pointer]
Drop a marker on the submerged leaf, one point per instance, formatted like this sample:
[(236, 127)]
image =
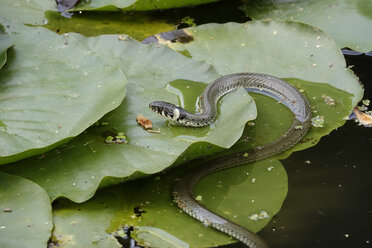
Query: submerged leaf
[(137, 5), (138, 25)]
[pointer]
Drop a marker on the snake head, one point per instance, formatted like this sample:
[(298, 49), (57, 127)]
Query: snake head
[(168, 110)]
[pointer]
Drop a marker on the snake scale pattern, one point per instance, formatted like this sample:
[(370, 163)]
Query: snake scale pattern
[(252, 82)]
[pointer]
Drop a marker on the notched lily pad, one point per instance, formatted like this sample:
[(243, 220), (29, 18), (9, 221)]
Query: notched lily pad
[(5, 44), (75, 170), (52, 88)]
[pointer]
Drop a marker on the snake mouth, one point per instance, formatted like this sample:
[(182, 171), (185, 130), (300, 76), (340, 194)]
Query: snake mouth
[(164, 109), (170, 111), (155, 108)]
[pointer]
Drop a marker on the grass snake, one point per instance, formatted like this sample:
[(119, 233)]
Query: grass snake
[(252, 82)]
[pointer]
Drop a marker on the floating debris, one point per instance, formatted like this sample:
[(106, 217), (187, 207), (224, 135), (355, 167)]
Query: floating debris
[(307, 162), (329, 100), (7, 210), (118, 138), (144, 121), (366, 102), (146, 124), (363, 108), (317, 121), (262, 215), (189, 21), (122, 37), (97, 123), (153, 131), (199, 198), (364, 118)]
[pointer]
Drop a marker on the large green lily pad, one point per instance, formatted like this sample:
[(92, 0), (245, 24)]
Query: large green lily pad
[(52, 88), (282, 49), (137, 5), (30, 11), (262, 182), (347, 21), (25, 213), (75, 170), (5, 43)]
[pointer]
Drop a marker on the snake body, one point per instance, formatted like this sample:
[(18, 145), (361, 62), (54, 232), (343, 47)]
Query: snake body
[(252, 82)]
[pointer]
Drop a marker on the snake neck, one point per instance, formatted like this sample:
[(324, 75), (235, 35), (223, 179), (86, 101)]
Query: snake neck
[(252, 82)]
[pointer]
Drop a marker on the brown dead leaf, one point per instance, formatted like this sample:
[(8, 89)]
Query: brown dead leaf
[(144, 122), (363, 118)]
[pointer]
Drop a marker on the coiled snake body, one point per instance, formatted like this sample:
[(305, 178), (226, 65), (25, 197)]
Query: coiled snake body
[(252, 82)]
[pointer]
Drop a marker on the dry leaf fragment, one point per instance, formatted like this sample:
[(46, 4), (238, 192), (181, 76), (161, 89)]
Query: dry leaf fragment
[(153, 131), (144, 122), (363, 118)]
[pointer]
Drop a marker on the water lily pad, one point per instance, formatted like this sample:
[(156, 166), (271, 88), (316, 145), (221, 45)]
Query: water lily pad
[(25, 213), (5, 43), (264, 183), (347, 21), (282, 49), (137, 5), (52, 88), (147, 203), (30, 11), (75, 170)]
